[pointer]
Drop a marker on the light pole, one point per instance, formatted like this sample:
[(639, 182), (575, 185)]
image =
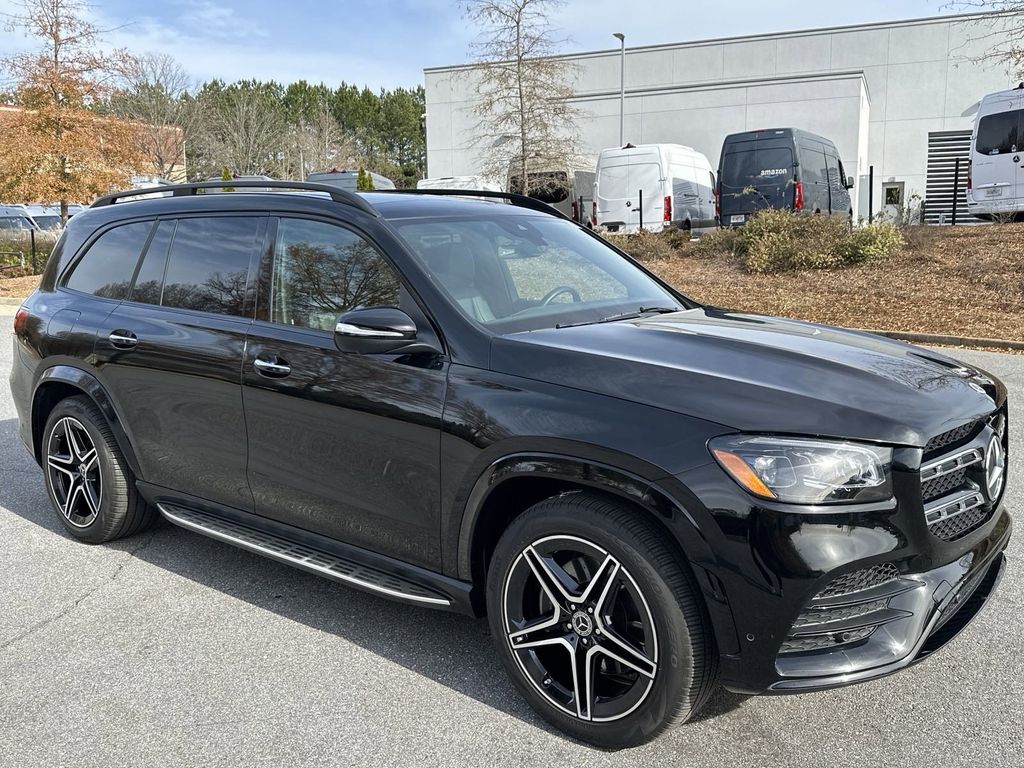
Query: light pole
[(622, 87)]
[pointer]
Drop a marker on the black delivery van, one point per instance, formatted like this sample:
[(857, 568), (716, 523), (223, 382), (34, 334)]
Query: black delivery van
[(784, 168)]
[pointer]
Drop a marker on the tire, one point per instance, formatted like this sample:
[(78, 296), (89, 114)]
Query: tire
[(650, 605), (87, 478)]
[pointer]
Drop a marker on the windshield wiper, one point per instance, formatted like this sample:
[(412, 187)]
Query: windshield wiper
[(624, 316)]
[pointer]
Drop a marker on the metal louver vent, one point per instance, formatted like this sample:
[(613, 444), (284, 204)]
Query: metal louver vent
[(944, 148)]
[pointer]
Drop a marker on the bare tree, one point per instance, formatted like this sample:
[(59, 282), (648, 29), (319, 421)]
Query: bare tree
[(526, 117), (243, 128), (158, 95), (316, 142), (1003, 30)]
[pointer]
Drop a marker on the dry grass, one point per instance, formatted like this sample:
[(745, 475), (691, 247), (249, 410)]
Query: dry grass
[(963, 281)]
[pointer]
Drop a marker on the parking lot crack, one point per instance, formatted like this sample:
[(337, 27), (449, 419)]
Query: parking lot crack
[(129, 555)]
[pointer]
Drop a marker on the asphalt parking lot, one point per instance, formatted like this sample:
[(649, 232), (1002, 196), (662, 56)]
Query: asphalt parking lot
[(171, 649)]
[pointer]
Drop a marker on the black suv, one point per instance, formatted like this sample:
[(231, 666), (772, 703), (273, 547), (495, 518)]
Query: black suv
[(474, 404)]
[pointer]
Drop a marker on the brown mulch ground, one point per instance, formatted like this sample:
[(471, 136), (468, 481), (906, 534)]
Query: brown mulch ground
[(18, 287), (963, 281)]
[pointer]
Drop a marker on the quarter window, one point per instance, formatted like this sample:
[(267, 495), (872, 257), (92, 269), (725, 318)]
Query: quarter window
[(208, 264), (322, 270), (106, 269)]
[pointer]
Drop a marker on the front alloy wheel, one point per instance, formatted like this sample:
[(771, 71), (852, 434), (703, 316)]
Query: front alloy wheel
[(598, 620), (580, 628)]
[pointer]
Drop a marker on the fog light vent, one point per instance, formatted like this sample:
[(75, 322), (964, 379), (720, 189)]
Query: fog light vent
[(858, 581)]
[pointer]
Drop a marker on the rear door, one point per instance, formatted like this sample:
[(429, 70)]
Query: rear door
[(625, 183), (345, 445), (756, 175), (997, 156), (171, 355)]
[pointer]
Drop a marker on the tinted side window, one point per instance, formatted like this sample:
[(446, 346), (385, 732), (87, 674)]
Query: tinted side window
[(208, 264), (149, 282), (107, 267), (1001, 133), (322, 270)]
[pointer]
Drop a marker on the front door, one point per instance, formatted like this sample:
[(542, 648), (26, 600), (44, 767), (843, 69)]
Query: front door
[(345, 445)]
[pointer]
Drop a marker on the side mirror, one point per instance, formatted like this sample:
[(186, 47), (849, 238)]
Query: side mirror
[(849, 182), (378, 330)]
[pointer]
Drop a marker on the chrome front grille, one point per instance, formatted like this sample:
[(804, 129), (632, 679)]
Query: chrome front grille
[(952, 479), (956, 435)]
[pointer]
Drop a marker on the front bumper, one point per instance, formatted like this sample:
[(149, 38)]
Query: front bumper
[(771, 565), (943, 602)]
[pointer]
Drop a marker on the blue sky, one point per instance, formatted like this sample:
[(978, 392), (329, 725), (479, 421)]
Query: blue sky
[(386, 43)]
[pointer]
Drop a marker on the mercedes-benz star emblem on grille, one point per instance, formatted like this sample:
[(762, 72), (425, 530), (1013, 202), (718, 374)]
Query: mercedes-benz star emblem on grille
[(995, 467)]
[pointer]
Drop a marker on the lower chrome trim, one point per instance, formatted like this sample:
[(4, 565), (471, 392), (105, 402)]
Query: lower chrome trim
[(297, 555)]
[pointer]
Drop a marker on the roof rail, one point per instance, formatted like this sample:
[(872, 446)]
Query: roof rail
[(182, 190), (521, 200)]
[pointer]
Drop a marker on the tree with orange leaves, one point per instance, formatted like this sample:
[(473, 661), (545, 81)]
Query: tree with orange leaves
[(53, 145)]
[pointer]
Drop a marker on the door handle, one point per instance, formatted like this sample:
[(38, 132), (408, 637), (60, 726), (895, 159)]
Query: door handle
[(275, 368), (123, 339)]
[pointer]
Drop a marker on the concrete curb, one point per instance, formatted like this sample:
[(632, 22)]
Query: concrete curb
[(952, 341), (918, 338)]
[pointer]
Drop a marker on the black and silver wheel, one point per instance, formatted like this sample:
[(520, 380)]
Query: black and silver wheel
[(90, 484), (598, 622), (73, 472)]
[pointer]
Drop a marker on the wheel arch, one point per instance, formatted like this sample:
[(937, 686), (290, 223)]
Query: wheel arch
[(60, 382), (513, 483)]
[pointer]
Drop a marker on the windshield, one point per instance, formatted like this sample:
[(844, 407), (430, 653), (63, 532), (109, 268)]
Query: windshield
[(516, 273), (48, 221)]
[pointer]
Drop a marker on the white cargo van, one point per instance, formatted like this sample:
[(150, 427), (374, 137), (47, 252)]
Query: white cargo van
[(995, 185), (458, 182), (654, 186)]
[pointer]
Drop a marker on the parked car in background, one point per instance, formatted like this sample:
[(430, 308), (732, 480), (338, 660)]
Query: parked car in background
[(15, 218), (45, 217), (656, 186), (229, 186), (458, 182), (568, 190), (995, 185), (347, 179), (784, 168)]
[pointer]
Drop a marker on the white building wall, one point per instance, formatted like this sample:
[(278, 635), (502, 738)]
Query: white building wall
[(876, 90)]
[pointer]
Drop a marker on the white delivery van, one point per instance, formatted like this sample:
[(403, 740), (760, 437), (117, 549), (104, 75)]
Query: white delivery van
[(654, 186), (995, 185), (458, 182)]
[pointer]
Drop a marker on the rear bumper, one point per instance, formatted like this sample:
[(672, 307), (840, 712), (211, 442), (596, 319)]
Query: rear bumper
[(996, 206)]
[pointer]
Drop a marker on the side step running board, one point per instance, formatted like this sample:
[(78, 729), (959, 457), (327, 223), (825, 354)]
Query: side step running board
[(302, 556)]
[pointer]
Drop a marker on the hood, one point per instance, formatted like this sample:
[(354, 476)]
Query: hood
[(760, 374)]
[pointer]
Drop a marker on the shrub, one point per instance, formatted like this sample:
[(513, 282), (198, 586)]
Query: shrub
[(872, 243), (644, 245), (716, 243), (779, 241)]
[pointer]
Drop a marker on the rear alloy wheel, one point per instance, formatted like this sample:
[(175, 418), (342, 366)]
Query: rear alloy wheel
[(72, 463), (598, 621), (89, 481)]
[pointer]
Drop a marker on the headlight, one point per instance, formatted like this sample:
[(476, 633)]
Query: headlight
[(801, 471)]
